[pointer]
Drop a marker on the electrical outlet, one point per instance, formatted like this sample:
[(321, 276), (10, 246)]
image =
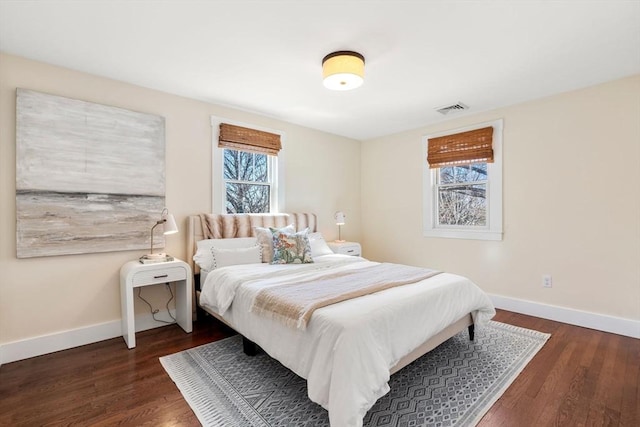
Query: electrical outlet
[(546, 281)]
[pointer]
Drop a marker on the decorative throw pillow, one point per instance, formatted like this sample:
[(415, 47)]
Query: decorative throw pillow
[(227, 257), (291, 248), (203, 257), (319, 245), (265, 239)]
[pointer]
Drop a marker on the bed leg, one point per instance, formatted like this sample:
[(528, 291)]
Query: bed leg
[(472, 330), (200, 313), (249, 347)]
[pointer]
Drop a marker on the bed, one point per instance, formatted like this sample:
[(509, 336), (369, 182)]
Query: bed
[(348, 350)]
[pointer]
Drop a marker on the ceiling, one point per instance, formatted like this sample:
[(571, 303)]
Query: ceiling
[(265, 56)]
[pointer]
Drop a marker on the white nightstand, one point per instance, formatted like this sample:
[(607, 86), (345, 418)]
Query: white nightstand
[(134, 275), (346, 248)]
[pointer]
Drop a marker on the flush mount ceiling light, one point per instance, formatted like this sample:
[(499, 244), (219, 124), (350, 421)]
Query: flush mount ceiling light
[(343, 70)]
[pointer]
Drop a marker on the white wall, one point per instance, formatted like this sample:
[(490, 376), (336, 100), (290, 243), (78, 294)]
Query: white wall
[(54, 295), (571, 203)]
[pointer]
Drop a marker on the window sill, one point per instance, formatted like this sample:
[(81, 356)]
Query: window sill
[(463, 234)]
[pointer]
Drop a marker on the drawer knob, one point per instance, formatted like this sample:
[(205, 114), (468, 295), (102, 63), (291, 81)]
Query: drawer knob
[(161, 276)]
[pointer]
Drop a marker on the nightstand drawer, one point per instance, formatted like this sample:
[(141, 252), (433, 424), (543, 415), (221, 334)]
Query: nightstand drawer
[(159, 275), (350, 250), (346, 248)]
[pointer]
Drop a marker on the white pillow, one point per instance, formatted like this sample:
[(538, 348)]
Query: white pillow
[(203, 256), (318, 245), (227, 257), (265, 239), (203, 277)]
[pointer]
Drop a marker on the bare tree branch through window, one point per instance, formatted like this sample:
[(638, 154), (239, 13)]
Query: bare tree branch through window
[(246, 176), (462, 195)]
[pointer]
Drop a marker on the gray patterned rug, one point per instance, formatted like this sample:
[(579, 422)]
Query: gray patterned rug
[(455, 384)]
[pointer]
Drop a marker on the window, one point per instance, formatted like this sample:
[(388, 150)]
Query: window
[(462, 183), (248, 182), (245, 168), (462, 195)]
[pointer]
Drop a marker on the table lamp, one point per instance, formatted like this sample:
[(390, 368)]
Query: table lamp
[(339, 216), (169, 225)]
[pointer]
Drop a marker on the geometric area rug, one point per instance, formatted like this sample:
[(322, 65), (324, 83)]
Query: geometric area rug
[(454, 384)]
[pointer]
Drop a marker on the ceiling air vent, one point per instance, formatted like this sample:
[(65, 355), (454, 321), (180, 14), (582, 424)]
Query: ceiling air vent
[(446, 109)]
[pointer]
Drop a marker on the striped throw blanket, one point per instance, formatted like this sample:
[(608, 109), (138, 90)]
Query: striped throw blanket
[(293, 304)]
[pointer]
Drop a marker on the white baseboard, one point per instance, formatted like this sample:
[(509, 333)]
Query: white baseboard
[(37, 346), (600, 322), (32, 347)]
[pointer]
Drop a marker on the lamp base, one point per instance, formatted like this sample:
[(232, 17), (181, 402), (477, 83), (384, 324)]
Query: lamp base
[(154, 258), (339, 241)]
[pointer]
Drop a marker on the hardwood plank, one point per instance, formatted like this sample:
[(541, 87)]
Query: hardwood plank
[(600, 412), (630, 407), (580, 377)]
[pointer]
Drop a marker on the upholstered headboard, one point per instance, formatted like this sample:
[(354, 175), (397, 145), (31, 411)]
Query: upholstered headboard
[(229, 226)]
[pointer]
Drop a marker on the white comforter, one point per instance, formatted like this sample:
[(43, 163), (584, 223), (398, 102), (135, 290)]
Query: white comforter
[(348, 348)]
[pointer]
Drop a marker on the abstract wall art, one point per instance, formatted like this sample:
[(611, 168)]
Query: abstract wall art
[(89, 177)]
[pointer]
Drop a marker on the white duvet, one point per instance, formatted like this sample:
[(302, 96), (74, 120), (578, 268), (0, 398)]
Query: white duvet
[(348, 348)]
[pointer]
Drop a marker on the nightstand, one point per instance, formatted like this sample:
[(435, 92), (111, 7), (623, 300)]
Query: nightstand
[(135, 274), (346, 248)]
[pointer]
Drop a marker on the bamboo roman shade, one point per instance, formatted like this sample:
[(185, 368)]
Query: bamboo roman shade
[(245, 139), (461, 148)]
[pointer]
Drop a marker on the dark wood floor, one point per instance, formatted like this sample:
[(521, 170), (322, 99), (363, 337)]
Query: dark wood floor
[(580, 377)]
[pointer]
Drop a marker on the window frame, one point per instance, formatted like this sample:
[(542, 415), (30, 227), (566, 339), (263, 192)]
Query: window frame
[(275, 164), (493, 229)]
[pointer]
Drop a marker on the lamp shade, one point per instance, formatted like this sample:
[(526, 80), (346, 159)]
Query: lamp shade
[(169, 225), (340, 218), (343, 70)]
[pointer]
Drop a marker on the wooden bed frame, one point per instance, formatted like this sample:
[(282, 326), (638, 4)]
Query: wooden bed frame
[(240, 225)]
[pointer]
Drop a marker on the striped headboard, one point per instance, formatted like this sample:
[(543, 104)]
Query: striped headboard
[(229, 226)]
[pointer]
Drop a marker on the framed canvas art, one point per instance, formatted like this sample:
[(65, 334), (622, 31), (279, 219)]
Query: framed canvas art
[(89, 177)]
